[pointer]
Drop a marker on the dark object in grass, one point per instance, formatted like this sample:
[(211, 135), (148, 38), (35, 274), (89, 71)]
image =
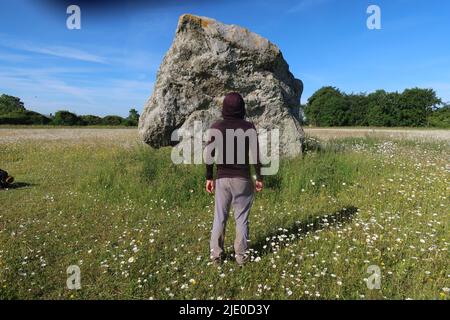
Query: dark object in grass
[(5, 179)]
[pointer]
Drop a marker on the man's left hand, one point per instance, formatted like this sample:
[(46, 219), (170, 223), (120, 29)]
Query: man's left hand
[(259, 186)]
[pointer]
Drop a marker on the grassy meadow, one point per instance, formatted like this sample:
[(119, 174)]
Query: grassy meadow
[(138, 226)]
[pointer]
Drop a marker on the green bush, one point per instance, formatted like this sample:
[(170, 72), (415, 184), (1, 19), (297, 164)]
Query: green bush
[(415, 105), (311, 144), (10, 104), (113, 121), (91, 120), (129, 123), (133, 118), (440, 117), (24, 117), (66, 118), (329, 106)]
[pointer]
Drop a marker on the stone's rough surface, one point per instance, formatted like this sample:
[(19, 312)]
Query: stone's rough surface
[(207, 60)]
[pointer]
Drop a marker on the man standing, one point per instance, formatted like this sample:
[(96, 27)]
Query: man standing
[(233, 185)]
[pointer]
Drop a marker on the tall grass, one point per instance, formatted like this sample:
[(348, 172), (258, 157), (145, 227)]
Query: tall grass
[(138, 225)]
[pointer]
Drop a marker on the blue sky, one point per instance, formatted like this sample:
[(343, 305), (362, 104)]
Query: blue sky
[(110, 65)]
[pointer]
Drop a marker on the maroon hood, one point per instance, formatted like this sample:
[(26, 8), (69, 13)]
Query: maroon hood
[(233, 106)]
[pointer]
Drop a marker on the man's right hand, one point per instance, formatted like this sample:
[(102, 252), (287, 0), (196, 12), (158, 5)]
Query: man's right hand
[(210, 186)]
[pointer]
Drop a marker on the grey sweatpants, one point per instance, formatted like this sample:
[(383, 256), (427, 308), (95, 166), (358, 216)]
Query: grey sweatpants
[(238, 193)]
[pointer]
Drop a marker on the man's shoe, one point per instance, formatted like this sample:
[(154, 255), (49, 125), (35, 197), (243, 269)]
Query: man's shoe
[(242, 261)]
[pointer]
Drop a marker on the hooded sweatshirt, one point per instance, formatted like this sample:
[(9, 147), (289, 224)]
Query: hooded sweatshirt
[(233, 114)]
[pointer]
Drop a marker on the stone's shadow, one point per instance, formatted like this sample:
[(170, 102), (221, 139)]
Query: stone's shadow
[(320, 222), (20, 185)]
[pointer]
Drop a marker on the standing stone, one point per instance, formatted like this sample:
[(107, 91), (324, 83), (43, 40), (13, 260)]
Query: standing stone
[(207, 60)]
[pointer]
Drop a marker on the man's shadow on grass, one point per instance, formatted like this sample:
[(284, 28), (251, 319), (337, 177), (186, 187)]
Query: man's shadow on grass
[(320, 222)]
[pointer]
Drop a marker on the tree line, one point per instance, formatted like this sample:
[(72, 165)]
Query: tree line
[(327, 107), (13, 111), (416, 107)]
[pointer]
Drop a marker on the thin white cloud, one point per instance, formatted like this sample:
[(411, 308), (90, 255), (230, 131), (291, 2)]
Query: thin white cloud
[(50, 81), (66, 52), (12, 57), (38, 82), (56, 51), (44, 90)]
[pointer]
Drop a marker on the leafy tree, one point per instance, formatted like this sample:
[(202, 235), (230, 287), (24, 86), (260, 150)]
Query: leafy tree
[(440, 117), (66, 118), (91, 120), (327, 107), (358, 108), (382, 108), (24, 117), (113, 120), (415, 106), (12, 111), (133, 118), (10, 104), (133, 115)]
